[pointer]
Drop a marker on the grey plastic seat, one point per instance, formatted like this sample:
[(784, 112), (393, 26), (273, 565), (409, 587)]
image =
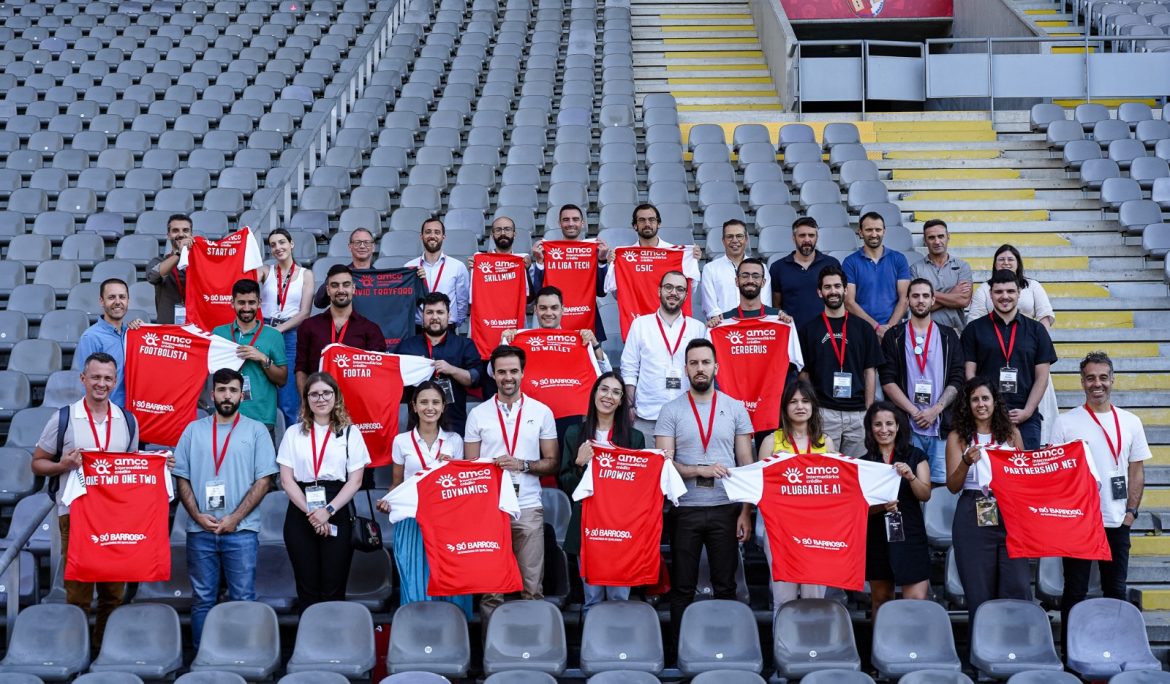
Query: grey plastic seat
[(913, 635), (621, 635), (935, 677), (819, 192), (1117, 191), (1156, 240), (710, 153), (1106, 637), (1108, 130), (241, 637), (841, 133), (1042, 115), (109, 678), (50, 641), (728, 677), (1089, 113), (705, 133), (1140, 677), (1012, 636), (938, 514), (143, 639), (64, 326), (1095, 171), (429, 636), (953, 589), (211, 677), (313, 677), (525, 635), (622, 677), (837, 677), (17, 482), (521, 677), (1060, 133), (756, 172), (15, 391), (1150, 132), (866, 192), (351, 650), (32, 300), (718, 635), (813, 634), (1125, 151), (768, 192), (62, 388), (13, 324)]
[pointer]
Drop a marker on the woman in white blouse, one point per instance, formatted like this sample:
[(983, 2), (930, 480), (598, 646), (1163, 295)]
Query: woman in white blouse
[(1034, 303), (286, 299), (424, 444), (322, 460)]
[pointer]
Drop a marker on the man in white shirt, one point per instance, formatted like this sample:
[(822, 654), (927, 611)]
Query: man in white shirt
[(719, 286), (1117, 444), (652, 360), (520, 434), (441, 274)]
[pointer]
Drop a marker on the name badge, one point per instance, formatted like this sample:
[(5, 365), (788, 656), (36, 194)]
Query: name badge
[(180, 314), (894, 530), (1118, 488), (673, 379), (448, 390), (842, 385), (214, 496), (246, 393), (923, 393), (986, 512), (315, 497), (1007, 380), (332, 530)]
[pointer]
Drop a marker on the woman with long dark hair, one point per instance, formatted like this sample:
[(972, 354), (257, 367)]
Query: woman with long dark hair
[(286, 300), (978, 535), (608, 423), (896, 553), (424, 444)]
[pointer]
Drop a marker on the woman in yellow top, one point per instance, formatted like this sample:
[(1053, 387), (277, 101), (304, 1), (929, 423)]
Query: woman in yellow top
[(800, 433)]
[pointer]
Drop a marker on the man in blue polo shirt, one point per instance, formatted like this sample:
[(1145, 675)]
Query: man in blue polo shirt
[(794, 277), (878, 278)]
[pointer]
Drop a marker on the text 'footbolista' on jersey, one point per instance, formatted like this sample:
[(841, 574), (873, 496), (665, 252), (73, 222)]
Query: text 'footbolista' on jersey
[(571, 267), (621, 517), (499, 293), (118, 505), (464, 509), (389, 297), (636, 274), (815, 509), (754, 354), (166, 368), (372, 384), (210, 269), (1049, 501), (559, 371)]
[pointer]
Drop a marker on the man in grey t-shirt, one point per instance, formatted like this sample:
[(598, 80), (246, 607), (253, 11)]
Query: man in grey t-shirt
[(950, 277), (707, 432)]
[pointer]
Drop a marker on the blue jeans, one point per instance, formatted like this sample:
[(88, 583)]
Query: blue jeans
[(207, 553), (288, 399), (1030, 430), (596, 593), (935, 449)]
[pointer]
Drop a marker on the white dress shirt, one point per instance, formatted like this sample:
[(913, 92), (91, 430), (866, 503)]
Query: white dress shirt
[(454, 282), (720, 289), (646, 360)]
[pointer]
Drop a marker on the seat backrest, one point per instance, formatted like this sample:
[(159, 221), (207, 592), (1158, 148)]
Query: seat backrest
[(719, 634), (811, 634), (239, 632), (1011, 632), (913, 632), (621, 635), (525, 635), (147, 633), (429, 635), (1107, 636), (56, 633), (352, 642)]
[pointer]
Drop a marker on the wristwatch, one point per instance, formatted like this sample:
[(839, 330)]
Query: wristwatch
[(267, 362), (330, 510), (1132, 511), (523, 466)]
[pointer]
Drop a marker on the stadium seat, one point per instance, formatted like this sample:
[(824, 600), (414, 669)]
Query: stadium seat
[(143, 639), (1043, 677), (370, 580), (935, 677), (350, 649), (1012, 636), (912, 635), (728, 677), (241, 637), (16, 478), (35, 358), (1106, 637), (837, 677), (621, 635), (718, 635), (813, 634), (313, 677), (62, 388), (50, 641), (1140, 677), (212, 677), (109, 678), (525, 635), (429, 636)]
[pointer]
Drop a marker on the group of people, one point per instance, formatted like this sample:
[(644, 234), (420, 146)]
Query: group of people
[(913, 367)]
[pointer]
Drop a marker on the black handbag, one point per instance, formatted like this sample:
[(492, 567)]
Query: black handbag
[(365, 534)]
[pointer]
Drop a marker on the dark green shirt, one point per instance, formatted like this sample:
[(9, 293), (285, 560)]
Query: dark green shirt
[(261, 405)]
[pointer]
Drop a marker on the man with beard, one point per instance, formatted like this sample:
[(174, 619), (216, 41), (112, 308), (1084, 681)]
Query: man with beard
[(652, 360), (878, 278), (750, 277), (223, 468), (950, 277), (457, 362), (720, 276), (841, 358), (794, 277), (503, 232), (262, 348), (646, 222), (108, 335), (520, 435), (572, 224), (706, 433), (440, 273), (339, 323), (922, 374), (361, 249), (168, 280)]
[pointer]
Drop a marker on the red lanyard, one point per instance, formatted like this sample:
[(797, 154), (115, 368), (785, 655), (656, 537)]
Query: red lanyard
[(920, 359), (282, 287), (318, 459), (439, 277), (1007, 351), (236, 331), (431, 347), (839, 352), (510, 448), (796, 449), (1113, 449), (93, 427), (338, 335), (704, 438), (218, 458), (414, 439), (677, 341), (179, 282)]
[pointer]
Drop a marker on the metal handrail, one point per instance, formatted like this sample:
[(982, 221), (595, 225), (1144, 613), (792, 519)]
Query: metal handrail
[(10, 561), (276, 203)]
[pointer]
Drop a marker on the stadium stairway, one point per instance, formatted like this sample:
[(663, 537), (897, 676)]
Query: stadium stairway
[(707, 54)]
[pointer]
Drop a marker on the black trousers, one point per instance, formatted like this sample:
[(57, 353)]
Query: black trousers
[(320, 564), (1113, 574), (981, 555), (692, 528)]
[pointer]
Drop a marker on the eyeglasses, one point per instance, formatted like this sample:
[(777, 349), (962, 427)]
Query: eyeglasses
[(646, 219), (751, 276), (362, 243), (321, 396), (616, 393), (503, 229), (680, 289)]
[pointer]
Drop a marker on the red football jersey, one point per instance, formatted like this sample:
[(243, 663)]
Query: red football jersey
[(815, 508), (166, 368), (621, 514), (372, 384), (637, 272), (571, 266), (118, 505), (560, 369), (499, 293), (1049, 502), (754, 354), (211, 269), (464, 509)]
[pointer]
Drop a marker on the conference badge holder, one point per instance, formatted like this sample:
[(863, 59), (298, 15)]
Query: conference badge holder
[(447, 388), (1118, 488), (315, 497), (246, 392), (923, 393), (895, 532), (705, 482), (673, 379), (214, 496), (180, 314), (986, 512), (842, 385), (1007, 380)]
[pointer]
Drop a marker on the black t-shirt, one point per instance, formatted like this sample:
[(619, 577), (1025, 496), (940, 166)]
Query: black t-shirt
[(862, 351), (1033, 346)]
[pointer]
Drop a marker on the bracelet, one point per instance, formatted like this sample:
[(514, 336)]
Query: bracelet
[(967, 463), (1132, 511)]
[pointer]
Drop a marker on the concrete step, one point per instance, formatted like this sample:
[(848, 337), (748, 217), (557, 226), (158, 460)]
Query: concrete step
[(896, 185), (1000, 205), (1109, 335), (986, 159), (1067, 250), (1128, 399), (1128, 357), (1085, 226)]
